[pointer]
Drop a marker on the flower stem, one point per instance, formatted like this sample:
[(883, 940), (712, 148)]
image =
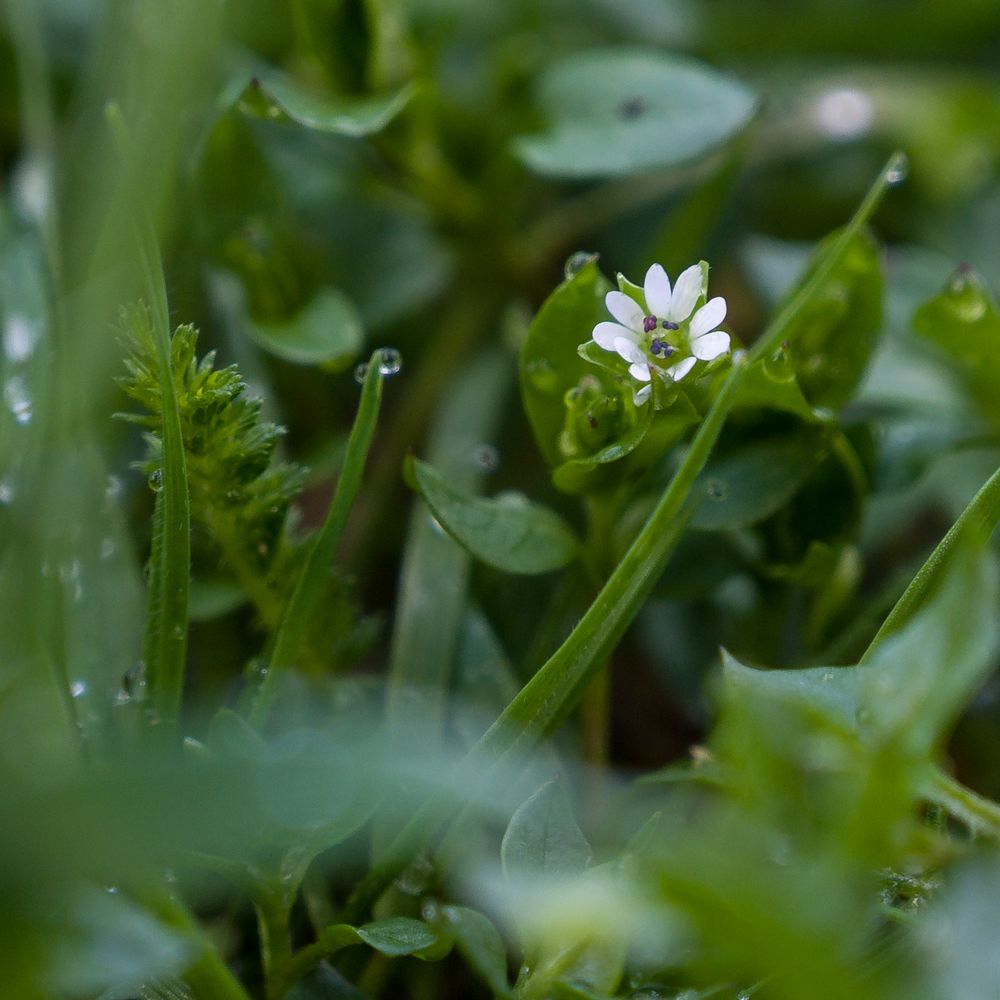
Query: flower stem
[(979, 814)]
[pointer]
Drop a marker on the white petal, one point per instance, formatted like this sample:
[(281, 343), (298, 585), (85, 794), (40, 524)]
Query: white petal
[(710, 345), (605, 335), (640, 372), (629, 350), (640, 396), (625, 310), (657, 290), (686, 292), (681, 369), (708, 317)]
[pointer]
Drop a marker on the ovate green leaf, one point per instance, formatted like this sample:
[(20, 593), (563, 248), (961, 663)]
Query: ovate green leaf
[(326, 331), (613, 112), (507, 531)]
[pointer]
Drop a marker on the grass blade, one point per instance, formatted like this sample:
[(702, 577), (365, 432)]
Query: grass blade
[(309, 587), (165, 644)]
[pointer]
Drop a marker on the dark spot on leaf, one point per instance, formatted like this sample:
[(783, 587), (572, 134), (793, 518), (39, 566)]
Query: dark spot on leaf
[(632, 108)]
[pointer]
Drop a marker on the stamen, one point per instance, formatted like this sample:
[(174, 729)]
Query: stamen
[(656, 346), (667, 325), (649, 324)]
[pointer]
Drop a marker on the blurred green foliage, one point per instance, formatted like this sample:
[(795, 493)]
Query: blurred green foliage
[(459, 182)]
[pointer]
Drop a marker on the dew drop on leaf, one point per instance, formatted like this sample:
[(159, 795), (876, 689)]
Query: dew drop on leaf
[(577, 261), (486, 458)]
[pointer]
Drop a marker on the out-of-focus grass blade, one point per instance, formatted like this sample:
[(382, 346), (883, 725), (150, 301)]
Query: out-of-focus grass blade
[(310, 585), (165, 643), (435, 567)]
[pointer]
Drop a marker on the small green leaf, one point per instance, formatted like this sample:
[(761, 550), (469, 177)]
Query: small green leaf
[(550, 365), (543, 837), (770, 383), (745, 487), (963, 321), (480, 945), (834, 334), (508, 531), (272, 95), (398, 936), (326, 331), (620, 111)]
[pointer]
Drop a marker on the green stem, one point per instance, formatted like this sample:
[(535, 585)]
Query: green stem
[(310, 585), (979, 814), (274, 926), (558, 685), (208, 976)]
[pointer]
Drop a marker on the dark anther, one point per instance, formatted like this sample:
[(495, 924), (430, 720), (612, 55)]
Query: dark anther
[(656, 346), (667, 325), (631, 108), (667, 350), (649, 324)]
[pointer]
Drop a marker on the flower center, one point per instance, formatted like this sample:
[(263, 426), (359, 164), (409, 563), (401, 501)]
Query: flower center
[(658, 347)]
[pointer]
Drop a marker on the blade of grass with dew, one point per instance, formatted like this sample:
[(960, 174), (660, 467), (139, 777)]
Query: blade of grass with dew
[(559, 683), (165, 645), (311, 582)]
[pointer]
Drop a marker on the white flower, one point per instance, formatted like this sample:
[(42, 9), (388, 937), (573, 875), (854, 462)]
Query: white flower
[(646, 340)]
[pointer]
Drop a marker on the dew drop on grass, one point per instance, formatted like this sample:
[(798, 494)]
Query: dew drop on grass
[(18, 399), (361, 372), (6, 491), (78, 688), (107, 548), (390, 361), (898, 169), (155, 480), (576, 262)]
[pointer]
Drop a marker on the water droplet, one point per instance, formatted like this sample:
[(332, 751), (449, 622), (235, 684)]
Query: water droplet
[(361, 372), (436, 526), (486, 458), (178, 633), (78, 688), (576, 262), (898, 168), (390, 361), (19, 337), (113, 489), (31, 185), (416, 878), (716, 489), (107, 548), (111, 890), (134, 680), (18, 399), (6, 491), (155, 480)]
